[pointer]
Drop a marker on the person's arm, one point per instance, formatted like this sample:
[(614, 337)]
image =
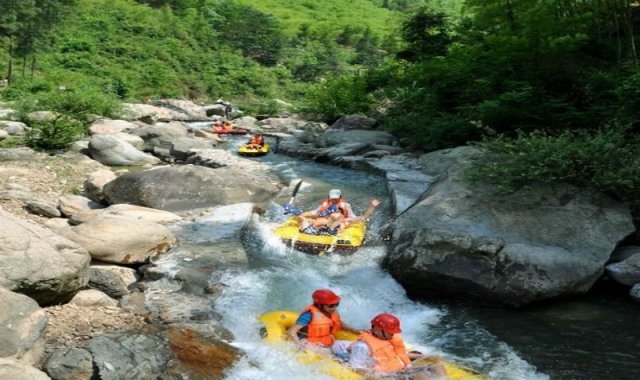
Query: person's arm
[(346, 327), (293, 334), (415, 355), (372, 207), (312, 214), (303, 320)]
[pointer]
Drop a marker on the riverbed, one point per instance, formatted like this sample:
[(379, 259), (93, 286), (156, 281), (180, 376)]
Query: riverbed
[(587, 337)]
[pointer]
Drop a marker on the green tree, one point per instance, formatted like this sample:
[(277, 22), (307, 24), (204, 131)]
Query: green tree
[(258, 35), (25, 24), (12, 22), (426, 34), (368, 50)]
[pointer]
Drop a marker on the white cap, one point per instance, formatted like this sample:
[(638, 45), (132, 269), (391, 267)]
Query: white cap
[(335, 194)]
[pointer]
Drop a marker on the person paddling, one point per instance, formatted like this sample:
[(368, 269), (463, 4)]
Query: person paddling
[(317, 323), (380, 353), (335, 213), (256, 142)]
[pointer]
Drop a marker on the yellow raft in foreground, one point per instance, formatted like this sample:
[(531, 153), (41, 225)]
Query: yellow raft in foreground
[(276, 324), (246, 151), (346, 242)]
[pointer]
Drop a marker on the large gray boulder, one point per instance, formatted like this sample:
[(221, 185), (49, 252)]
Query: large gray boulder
[(39, 263), (121, 240), (635, 292), (70, 364), (95, 182), (14, 370), (140, 213), (172, 140), (626, 272), (312, 132), (14, 127), (160, 134), (333, 137), (180, 188), (349, 122), (109, 150), (114, 280), (149, 114), (468, 240), (193, 111), (108, 126), (176, 353), (22, 327), (70, 205)]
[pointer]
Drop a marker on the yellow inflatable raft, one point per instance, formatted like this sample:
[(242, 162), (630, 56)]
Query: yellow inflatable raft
[(276, 324), (246, 151), (346, 242)]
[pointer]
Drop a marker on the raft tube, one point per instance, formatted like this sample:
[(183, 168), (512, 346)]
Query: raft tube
[(346, 242), (274, 331), (245, 151), (235, 131)]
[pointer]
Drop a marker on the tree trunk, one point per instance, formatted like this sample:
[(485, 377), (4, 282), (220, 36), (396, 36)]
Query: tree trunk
[(10, 66), (33, 65), (511, 15), (24, 65), (618, 37), (632, 40)]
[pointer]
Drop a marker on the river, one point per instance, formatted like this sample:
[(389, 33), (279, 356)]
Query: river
[(589, 337)]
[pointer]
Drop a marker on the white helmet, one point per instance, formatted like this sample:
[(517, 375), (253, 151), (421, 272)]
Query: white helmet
[(335, 194)]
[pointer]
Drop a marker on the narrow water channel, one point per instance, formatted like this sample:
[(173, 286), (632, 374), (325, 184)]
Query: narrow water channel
[(590, 337)]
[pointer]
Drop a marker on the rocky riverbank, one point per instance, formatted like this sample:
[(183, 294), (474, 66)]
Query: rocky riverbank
[(89, 246)]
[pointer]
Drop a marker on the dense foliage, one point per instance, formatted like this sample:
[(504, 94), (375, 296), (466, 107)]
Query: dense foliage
[(549, 78), (606, 159)]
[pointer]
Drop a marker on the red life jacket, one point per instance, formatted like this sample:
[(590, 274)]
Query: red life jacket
[(390, 355), (342, 207), (258, 140), (321, 329)]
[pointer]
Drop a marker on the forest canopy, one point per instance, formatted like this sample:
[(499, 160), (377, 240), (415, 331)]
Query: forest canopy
[(517, 77)]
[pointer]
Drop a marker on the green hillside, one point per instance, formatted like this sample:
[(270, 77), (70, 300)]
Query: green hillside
[(551, 87), (328, 16), (132, 50)]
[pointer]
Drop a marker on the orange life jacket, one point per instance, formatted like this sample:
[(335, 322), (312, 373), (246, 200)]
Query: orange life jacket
[(390, 355), (321, 329), (257, 140), (342, 206)]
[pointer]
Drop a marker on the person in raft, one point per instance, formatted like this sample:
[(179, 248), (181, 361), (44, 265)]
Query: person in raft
[(317, 323), (380, 353), (256, 141), (217, 126), (334, 214)]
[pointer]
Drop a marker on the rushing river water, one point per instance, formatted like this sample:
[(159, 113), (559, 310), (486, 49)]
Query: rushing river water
[(591, 337)]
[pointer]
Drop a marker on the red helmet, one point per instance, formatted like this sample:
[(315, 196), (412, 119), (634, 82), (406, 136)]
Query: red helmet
[(386, 322), (325, 297)]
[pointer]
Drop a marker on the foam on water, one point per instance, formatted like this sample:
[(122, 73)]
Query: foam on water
[(283, 279)]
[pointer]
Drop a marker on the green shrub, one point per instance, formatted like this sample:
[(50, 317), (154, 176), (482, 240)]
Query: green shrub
[(57, 134), (21, 88), (337, 97), (266, 107), (427, 132), (11, 142), (77, 103), (606, 159)]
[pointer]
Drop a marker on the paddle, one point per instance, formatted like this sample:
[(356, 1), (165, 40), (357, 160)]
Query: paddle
[(289, 208)]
